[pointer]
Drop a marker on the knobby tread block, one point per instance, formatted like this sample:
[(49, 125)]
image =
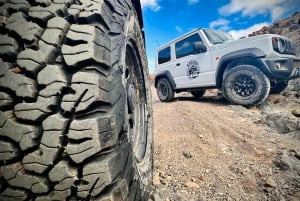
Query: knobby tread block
[(18, 83), (8, 46), (8, 151), (53, 36), (119, 192), (54, 78), (55, 195), (99, 174), (63, 171), (26, 30), (90, 136), (33, 61), (67, 2), (5, 100), (43, 3), (96, 46), (45, 13), (36, 111), (88, 87), (14, 6), (58, 23), (17, 177), (25, 135), (10, 194), (51, 144)]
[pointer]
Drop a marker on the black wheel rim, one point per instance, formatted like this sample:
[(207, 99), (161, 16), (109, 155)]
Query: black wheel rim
[(136, 103), (244, 86), (163, 89)]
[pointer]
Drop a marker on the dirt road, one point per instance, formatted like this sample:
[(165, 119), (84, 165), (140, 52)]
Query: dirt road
[(206, 149)]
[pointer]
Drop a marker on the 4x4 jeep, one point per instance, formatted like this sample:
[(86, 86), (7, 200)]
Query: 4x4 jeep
[(246, 70)]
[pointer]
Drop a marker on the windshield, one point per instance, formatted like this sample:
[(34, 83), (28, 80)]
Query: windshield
[(217, 37)]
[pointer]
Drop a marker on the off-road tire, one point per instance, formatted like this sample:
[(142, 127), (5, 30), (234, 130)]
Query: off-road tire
[(245, 85), (198, 93), (164, 90), (278, 87), (76, 114)]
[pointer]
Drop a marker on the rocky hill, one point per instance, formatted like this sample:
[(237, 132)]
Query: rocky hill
[(288, 27), (282, 111)]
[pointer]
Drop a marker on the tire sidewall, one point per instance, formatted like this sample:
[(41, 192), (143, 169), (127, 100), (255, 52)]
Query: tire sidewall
[(163, 83), (133, 34)]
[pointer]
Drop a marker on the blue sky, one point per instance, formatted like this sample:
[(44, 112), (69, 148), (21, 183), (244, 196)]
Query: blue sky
[(164, 20)]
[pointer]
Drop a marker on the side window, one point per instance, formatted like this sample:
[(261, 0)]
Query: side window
[(185, 47), (164, 55)]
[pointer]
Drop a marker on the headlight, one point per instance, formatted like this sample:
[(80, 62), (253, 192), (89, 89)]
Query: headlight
[(279, 45)]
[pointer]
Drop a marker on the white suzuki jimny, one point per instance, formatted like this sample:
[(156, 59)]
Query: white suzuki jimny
[(246, 70)]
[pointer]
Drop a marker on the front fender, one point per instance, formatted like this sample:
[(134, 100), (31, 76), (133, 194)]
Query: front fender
[(168, 76)]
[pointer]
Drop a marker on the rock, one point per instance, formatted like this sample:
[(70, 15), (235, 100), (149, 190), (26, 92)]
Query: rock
[(163, 181), (156, 179), (284, 162), (157, 197), (288, 162), (270, 183), (191, 184), (296, 112), (281, 122), (187, 154)]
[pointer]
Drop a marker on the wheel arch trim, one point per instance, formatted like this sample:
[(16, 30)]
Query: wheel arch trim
[(253, 53), (165, 74)]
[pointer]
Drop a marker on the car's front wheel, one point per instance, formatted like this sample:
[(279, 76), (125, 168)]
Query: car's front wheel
[(246, 85)]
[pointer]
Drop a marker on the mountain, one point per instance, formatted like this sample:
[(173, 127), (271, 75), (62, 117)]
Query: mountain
[(288, 27)]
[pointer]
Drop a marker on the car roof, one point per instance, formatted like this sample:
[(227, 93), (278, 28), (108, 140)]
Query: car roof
[(178, 38)]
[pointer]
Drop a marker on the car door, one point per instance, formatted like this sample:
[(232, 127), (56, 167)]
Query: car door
[(193, 64)]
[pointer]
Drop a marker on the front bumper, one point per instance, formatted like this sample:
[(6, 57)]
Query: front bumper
[(282, 68)]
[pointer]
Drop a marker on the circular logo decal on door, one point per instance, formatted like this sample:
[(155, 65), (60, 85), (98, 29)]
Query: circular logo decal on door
[(193, 69)]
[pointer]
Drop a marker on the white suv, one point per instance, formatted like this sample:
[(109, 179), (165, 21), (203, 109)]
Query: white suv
[(246, 70)]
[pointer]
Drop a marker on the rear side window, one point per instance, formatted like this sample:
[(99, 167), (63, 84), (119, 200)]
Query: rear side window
[(185, 47), (164, 55)]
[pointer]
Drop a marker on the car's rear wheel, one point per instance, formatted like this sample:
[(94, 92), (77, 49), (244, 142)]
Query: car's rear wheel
[(198, 93), (245, 85), (165, 92), (76, 115)]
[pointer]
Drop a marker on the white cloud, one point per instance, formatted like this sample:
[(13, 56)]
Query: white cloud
[(179, 29), (152, 4), (245, 32), (276, 8), (221, 24), (190, 2)]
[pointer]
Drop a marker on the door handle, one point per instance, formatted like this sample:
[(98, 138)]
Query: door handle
[(178, 64)]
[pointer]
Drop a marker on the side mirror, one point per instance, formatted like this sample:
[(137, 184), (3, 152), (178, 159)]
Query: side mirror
[(199, 47)]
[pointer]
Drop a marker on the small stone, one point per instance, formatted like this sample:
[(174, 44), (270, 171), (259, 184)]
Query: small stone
[(16, 70), (157, 197), (296, 112), (163, 181), (270, 183), (156, 180), (187, 154), (191, 184)]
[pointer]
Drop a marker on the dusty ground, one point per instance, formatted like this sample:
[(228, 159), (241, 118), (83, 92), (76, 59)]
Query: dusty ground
[(206, 149)]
